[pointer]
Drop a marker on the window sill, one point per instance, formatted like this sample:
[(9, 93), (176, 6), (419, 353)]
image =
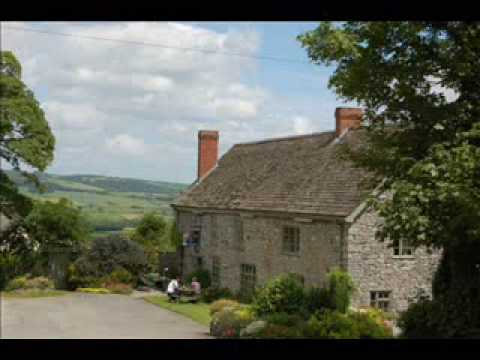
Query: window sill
[(291, 254), (404, 257)]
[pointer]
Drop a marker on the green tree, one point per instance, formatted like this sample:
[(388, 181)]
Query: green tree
[(151, 234), (175, 237), (54, 225), (25, 136), (423, 143)]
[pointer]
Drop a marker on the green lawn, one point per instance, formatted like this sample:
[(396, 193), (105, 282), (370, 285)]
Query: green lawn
[(199, 312), (34, 293)]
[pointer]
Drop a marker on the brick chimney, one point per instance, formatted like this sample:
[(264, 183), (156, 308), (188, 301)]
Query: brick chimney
[(207, 151), (347, 118)]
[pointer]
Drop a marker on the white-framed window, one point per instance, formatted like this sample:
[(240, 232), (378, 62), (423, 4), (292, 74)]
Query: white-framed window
[(402, 248), (291, 240), (380, 299), (248, 279)]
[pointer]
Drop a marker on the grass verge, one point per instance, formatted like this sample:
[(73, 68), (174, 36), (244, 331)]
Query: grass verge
[(34, 293), (199, 312)]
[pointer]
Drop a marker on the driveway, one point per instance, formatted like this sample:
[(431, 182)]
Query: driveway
[(91, 316)]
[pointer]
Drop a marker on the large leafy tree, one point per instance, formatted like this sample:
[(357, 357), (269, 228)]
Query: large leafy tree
[(55, 226), (152, 233), (25, 136), (419, 85)]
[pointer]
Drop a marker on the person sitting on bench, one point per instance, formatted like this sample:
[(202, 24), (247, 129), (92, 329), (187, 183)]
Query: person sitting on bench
[(196, 287), (173, 290)]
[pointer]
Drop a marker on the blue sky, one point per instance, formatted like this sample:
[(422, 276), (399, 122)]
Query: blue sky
[(125, 110)]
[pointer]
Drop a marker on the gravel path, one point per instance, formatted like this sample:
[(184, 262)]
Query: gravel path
[(91, 316)]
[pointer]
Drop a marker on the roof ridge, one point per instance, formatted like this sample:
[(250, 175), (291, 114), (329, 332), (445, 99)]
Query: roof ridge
[(286, 138)]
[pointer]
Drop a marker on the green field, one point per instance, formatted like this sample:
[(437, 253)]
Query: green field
[(109, 203)]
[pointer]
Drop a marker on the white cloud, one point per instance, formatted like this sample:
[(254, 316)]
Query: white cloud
[(126, 145), (302, 125), (107, 101), (74, 116)]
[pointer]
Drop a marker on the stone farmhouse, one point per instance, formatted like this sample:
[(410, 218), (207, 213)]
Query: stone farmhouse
[(292, 205)]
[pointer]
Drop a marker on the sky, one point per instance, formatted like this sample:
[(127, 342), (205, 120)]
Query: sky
[(132, 110)]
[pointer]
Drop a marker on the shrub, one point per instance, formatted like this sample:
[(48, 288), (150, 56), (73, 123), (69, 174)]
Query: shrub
[(275, 331), (331, 325), (254, 329), (214, 293), (284, 319), (40, 282), (121, 276), (219, 305), (337, 325), (75, 279), (119, 288), (244, 297), (371, 326), (8, 268), (17, 283), (341, 288), (110, 253), (203, 277), (282, 294), (317, 299), (230, 321), (107, 255), (418, 321), (23, 282)]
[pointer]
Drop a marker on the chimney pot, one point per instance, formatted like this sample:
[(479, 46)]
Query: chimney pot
[(207, 151), (347, 118)]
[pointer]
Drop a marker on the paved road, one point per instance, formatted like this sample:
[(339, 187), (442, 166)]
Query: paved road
[(90, 316)]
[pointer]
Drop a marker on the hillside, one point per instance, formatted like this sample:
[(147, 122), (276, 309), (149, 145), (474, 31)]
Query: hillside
[(110, 203)]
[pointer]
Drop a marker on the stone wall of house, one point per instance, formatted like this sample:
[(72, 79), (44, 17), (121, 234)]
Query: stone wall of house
[(238, 238), (374, 267)]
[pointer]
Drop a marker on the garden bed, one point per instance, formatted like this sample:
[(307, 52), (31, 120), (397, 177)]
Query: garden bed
[(33, 293)]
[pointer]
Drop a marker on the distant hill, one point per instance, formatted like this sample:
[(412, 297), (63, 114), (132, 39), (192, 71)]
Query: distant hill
[(96, 183), (111, 203)]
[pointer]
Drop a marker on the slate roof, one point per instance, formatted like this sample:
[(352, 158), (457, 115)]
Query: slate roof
[(299, 174)]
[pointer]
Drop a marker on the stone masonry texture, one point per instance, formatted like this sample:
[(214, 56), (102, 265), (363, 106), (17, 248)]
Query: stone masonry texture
[(374, 267), (260, 244), (237, 238)]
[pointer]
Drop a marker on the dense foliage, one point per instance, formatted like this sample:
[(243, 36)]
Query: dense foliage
[(151, 234), (337, 325), (56, 225), (282, 294), (418, 84), (283, 308), (176, 239), (219, 305), (230, 321), (104, 257), (25, 282), (213, 293), (25, 136), (9, 265), (341, 288)]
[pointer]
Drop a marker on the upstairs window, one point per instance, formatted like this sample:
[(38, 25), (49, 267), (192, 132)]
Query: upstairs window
[(195, 235), (380, 300), (291, 240), (402, 248)]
